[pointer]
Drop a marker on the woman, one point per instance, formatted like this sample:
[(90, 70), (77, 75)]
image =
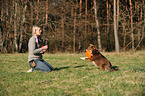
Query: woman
[(35, 52)]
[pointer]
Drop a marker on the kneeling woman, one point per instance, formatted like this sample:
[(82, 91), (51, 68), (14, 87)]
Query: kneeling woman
[(35, 52)]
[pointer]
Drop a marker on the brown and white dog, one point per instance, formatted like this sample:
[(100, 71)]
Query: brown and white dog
[(98, 59)]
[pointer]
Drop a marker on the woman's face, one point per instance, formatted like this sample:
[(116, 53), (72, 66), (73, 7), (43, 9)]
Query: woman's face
[(38, 31)]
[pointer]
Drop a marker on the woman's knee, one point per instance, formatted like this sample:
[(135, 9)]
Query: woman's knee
[(42, 66), (48, 65)]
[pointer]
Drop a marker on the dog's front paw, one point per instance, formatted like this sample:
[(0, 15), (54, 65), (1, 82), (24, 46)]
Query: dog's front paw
[(83, 58), (88, 59)]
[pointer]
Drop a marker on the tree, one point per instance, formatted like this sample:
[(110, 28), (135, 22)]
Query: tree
[(1, 37), (131, 19), (79, 33), (97, 26), (115, 29), (22, 26), (15, 25), (1, 40), (74, 32), (108, 25)]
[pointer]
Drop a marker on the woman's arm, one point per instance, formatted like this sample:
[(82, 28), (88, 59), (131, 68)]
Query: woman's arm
[(32, 47)]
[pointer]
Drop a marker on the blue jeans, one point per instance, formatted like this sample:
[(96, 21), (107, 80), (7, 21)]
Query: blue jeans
[(42, 65)]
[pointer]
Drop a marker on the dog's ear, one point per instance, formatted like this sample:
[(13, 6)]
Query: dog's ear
[(91, 45)]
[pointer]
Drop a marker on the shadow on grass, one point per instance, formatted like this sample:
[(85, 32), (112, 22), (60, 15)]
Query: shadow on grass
[(115, 68), (80, 66), (56, 69)]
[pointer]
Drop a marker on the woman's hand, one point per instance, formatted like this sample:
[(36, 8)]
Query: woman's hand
[(45, 47)]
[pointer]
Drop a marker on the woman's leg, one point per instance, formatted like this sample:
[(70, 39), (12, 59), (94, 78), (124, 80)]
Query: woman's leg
[(41, 66), (48, 65)]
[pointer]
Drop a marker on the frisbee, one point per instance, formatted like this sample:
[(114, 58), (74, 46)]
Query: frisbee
[(42, 50), (88, 54)]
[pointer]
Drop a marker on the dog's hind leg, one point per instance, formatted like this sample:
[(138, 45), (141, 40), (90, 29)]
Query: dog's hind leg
[(102, 67)]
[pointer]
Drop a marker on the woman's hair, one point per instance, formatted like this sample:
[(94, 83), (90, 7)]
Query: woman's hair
[(34, 29)]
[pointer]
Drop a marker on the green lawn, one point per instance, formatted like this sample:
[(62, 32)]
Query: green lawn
[(73, 77)]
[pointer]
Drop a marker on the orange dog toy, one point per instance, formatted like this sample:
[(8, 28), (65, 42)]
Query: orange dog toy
[(88, 54)]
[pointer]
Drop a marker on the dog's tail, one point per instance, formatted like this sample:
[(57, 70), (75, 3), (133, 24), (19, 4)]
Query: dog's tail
[(114, 68)]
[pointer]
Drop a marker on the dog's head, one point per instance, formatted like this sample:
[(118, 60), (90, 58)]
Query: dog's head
[(92, 49)]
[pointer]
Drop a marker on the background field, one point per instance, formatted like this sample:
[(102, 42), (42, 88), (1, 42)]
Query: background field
[(73, 77)]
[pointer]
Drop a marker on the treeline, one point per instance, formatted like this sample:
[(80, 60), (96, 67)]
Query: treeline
[(71, 25)]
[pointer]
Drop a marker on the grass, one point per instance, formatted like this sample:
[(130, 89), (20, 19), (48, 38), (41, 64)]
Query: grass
[(73, 77)]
